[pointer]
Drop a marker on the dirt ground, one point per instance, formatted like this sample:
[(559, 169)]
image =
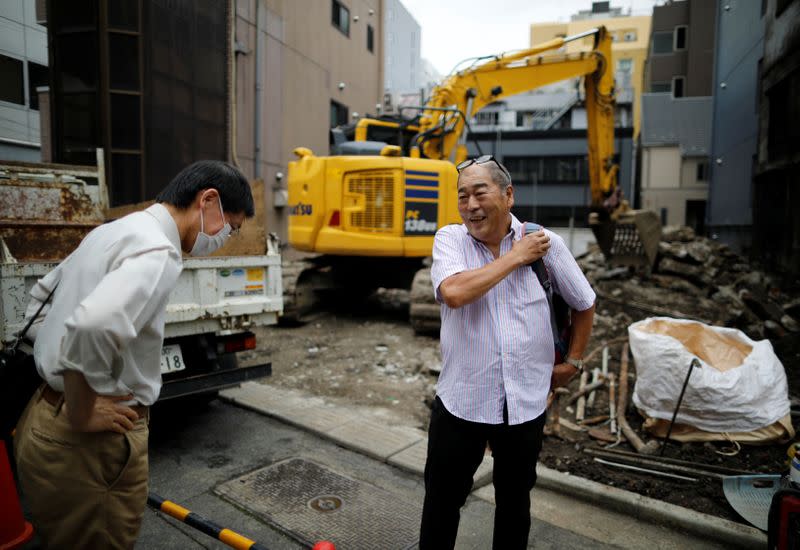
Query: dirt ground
[(371, 357)]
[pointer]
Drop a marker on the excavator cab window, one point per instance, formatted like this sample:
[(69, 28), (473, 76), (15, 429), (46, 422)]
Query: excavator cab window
[(392, 136)]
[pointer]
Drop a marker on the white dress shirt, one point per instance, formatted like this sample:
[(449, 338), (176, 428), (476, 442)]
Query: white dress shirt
[(499, 349), (106, 318)]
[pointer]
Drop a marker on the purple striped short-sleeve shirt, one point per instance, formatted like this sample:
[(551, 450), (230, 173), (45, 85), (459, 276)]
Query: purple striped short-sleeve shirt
[(500, 347)]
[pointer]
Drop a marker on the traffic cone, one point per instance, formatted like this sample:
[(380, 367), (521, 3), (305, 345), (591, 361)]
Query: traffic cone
[(14, 530), (324, 545)]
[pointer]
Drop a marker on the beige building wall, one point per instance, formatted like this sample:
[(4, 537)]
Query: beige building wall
[(668, 181), (689, 173), (631, 41), (303, 58), (661, 168)]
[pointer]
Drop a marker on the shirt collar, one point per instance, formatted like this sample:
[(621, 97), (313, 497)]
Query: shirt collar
[(167, 223), (516, 228)]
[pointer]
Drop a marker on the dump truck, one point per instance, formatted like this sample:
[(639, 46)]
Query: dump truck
[(371, 209), (47, 209)]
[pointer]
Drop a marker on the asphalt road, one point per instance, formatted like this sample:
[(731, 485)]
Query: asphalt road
[(195, 449)]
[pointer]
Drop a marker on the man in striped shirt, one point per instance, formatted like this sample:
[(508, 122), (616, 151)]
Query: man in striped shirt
[(497, 353)]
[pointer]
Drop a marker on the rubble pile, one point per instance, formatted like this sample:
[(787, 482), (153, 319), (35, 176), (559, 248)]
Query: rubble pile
[(694, 278)]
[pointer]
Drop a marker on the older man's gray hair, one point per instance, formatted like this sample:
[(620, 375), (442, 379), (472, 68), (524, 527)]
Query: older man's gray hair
[(499, 175)]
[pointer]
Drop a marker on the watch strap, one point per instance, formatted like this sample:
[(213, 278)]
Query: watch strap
[(577, 363)]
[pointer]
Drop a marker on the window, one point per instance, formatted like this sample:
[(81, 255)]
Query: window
[(547, 170), (12, 84), (784, 117), (339, 114), (629, 36), (37, 76), (662, 42), (680, 38), (660, 87), (370, 38), (524, 119), (486, 118), (340, 17), (702, 171), (677, 86)]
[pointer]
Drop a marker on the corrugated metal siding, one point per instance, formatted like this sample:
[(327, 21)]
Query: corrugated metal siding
[(685, 122)]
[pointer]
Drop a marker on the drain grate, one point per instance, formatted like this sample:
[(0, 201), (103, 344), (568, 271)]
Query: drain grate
[(312, 503)]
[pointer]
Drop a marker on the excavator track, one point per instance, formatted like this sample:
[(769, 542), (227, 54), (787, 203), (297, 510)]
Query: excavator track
[(423, 312), (299, 297)]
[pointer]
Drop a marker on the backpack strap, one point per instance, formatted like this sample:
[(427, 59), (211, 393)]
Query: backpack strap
[(540, 270), (21, 334)]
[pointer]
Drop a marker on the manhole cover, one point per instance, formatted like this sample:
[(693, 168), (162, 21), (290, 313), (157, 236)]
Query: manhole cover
[(312, 503)]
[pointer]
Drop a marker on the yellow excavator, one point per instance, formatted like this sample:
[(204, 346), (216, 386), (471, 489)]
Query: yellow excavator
[(369, 211)]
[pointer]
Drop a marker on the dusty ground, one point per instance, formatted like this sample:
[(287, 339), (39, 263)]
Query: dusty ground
[(372, 358), (369, 356)]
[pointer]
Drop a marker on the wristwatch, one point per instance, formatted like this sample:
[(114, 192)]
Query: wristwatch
[(577, 363)]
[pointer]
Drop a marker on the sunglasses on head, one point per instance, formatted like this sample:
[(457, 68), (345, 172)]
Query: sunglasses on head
[(482, 160)]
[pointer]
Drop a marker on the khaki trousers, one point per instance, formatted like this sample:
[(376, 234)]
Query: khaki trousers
[(83, 490)]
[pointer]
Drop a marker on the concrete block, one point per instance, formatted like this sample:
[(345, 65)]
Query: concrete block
[(374, 440)]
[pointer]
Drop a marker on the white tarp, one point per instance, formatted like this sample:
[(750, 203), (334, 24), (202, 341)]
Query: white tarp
[(740, 386)]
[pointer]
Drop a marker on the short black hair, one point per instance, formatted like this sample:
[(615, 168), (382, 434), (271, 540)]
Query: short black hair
[(233, 188)]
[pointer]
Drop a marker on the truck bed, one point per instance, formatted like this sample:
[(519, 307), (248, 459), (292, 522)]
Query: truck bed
[(219, 294)]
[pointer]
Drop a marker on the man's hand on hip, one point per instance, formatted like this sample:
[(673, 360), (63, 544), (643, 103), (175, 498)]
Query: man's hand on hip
[(108, 415), (89, 412)]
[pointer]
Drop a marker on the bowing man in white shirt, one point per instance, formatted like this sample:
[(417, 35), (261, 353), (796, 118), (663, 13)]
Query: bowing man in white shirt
[(81, 445)]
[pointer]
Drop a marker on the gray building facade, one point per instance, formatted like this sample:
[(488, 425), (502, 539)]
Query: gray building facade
[(776, 200), (402, 61), (739, 46), (549, 171), (23, 68), (681, 56)]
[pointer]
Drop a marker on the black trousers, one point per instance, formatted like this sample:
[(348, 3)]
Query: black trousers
[(455, 450)]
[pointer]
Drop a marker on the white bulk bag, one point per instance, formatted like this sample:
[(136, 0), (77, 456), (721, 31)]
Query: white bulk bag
[(740, 387)]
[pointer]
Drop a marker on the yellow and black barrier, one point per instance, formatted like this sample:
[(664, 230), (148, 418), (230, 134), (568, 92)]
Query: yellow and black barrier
[(231, 538)]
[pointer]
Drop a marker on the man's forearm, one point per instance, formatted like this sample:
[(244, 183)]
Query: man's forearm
[(466, 287), (581, 330), (80, 399)]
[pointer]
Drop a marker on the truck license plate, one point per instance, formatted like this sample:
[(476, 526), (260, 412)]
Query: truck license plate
[(171, 359)]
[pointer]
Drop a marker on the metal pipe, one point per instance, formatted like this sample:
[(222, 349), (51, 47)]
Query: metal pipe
[(622, 455), (644, 470), (580, 35), (678, 405), (257, 109)]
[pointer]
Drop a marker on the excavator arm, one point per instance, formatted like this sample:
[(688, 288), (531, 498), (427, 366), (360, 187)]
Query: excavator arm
[(460, 96)]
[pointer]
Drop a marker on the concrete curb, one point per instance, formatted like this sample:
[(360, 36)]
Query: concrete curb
[(650, 509), (269, 401)]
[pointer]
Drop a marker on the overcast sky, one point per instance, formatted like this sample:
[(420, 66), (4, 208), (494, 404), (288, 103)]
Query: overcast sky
[(453, 30)]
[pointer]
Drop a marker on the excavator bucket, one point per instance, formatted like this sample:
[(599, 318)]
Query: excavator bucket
[(631, 240)]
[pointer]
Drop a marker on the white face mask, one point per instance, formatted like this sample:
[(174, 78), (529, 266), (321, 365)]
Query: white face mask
[(206, 244)]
